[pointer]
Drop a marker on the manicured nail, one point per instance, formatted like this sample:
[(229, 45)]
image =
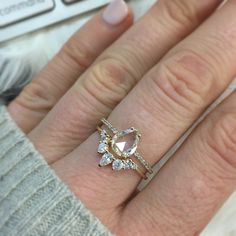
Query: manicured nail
[(116, 12)]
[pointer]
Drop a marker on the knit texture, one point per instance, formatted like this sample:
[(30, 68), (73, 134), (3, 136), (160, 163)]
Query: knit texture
[(33, 201)]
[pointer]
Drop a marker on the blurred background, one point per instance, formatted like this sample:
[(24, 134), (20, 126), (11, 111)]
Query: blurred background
[(32, 32)]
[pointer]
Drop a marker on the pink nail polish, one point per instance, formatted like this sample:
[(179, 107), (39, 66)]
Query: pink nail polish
[(115, 12)]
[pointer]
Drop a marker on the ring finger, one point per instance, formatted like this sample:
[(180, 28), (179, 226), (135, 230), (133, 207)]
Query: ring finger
[(114, 73), (162, 106)]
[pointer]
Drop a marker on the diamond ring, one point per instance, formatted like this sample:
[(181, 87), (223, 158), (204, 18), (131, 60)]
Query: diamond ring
[(118, 148)]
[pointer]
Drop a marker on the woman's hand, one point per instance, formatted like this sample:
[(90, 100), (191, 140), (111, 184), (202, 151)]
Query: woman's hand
[(175, 71)]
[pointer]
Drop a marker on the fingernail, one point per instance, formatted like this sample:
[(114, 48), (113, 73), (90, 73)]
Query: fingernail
[(116, 12)]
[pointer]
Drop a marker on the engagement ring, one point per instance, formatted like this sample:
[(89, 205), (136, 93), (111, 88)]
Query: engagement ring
[(118, 148)]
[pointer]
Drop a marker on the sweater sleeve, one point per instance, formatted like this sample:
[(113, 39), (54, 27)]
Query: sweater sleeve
[(33, 201)]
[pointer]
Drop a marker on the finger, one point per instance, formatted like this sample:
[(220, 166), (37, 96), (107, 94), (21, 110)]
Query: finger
[(115, 72), (164, 104), (38, 98), (192, 186)]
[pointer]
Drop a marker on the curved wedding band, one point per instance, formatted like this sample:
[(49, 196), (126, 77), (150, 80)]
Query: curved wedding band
[(115, 153)]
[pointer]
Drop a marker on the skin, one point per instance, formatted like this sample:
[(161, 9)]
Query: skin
[(162, 77)]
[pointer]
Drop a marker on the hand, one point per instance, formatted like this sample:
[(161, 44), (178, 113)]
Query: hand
[(176, 69)]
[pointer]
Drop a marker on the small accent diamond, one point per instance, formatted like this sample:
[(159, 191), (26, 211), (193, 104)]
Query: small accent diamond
[(129, 164), (117, 165)]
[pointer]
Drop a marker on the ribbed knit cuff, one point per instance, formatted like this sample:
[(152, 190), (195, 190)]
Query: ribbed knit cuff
[(33, 201)]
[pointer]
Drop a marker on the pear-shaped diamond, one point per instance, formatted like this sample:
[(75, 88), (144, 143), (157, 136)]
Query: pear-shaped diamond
[(103, 133), (104, 136), (125, 142), (107, 158), (102, 148)]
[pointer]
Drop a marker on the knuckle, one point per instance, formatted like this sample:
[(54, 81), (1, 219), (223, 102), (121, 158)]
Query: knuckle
[(108, 81), (128, 57), (182, 12), (77, 52), (35, 97), (222, 137), (186, 80)]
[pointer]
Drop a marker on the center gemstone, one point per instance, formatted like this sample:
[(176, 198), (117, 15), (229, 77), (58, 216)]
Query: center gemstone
[(125, 143)]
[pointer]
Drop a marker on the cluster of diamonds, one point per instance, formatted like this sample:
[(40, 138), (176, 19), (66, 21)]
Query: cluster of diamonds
[(108, 158)]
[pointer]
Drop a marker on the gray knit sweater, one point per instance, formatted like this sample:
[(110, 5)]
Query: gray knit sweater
[(33, 201)]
